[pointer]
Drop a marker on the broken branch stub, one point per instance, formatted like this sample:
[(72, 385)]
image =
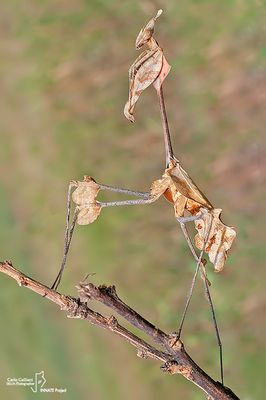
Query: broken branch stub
[(85, 199), (149, 68)]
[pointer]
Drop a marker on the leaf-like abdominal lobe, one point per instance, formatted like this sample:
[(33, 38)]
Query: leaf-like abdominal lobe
[(220, 237), (85, 198), (88, 214), (216, 236), (212, 235)]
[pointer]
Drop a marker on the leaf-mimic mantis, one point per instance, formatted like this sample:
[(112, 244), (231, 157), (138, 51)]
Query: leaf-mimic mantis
[(189, 203)]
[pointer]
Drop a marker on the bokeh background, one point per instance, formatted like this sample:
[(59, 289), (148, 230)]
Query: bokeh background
[(64, 84)]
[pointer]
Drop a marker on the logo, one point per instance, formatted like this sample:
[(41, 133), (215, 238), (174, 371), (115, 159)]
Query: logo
[(36, 384), (39, 381)]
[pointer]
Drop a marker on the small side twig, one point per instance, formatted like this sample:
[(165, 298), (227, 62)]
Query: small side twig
[(172, 354)]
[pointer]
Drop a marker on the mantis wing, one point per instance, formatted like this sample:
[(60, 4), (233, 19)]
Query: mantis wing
[(187, 187), (212, 235)]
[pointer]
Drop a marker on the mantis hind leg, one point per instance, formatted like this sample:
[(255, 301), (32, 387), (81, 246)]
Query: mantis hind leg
[(199, 259), (200, 266), (68, 236)]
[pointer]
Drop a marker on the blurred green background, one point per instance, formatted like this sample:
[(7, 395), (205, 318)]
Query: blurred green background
[(64, 84)]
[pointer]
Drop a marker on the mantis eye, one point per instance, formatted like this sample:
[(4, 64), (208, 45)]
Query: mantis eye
[(146, 33)]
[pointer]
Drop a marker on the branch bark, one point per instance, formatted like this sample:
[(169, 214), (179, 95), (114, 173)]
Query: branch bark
[(172, 351)]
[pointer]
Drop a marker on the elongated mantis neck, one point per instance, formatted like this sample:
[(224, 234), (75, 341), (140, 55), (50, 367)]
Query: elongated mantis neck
[(152, 44), (169, 154)]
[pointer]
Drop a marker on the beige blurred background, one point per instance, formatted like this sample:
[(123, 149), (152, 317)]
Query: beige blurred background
[(63, 82)]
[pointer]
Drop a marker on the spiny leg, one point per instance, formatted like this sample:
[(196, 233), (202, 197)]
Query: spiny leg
[(144, 195), (67, 238), (66, 250), (200, 265), (68, 214), (145, 199)]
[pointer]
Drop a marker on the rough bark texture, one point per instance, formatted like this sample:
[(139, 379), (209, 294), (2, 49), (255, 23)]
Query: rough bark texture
[(170, 350)]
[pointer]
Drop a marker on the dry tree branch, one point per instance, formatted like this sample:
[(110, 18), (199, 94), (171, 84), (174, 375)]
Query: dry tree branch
[(173, 353)]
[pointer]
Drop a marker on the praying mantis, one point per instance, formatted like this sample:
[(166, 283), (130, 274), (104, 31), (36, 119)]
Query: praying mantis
[(175, 185)]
